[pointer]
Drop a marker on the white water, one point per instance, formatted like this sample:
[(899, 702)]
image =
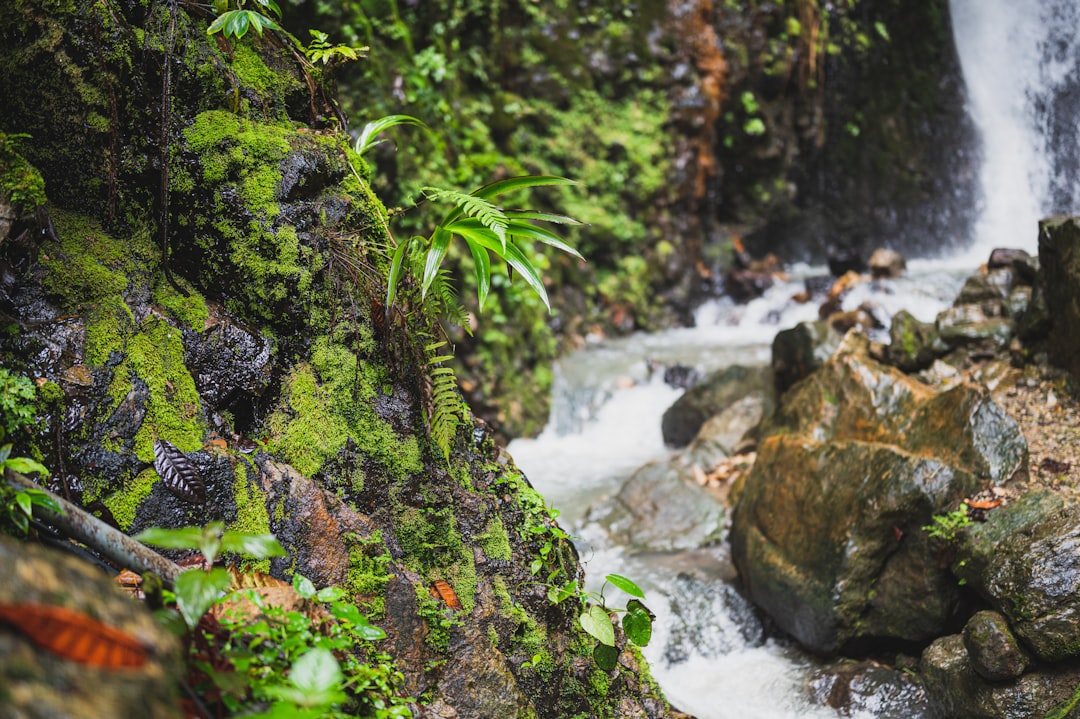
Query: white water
[(603, 430), (1021, 64)]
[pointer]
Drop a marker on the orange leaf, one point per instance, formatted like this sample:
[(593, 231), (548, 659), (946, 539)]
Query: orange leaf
[(989, 504), (75, 636), (444, 591)]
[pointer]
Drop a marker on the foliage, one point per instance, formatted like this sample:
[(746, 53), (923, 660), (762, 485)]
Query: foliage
[(366, 140), (282, 662), (446, 411), (20, 182), (236, 22), (16, 412), (486, 229), (947, 527), (596, 619), (319, 50)]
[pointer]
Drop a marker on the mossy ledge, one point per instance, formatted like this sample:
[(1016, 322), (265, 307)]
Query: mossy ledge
[(273, 240)]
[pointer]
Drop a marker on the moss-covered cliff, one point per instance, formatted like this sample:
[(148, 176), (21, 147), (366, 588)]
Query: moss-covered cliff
[(209, 273)]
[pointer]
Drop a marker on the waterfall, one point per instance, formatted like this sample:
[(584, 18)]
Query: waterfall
[(1021, 66)]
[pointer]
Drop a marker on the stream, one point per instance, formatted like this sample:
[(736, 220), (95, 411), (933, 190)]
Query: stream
[(1021, 64)]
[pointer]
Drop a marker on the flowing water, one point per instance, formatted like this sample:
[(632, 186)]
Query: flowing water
[(1021, 67)]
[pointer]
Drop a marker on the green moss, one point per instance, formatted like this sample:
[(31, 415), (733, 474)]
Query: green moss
[(270, 86), (251, 514), (88, 265), (190, 311), (156, 356), (369, 571), (125, 502), (529, 637), (438, 618), (106, 326), (495, 541), (1064, 710), (20, 182), (330, 401)]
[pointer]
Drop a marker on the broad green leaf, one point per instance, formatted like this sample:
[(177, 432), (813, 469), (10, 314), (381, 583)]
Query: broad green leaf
[(41, 498), (637, 623), (515, 258), (219, 22), (196, 590), (557, 595), (395, 272), (627, 585), (482, 267), (270, 5), (316, 671), (605, 656), (517, 183), (303, 586), (183, 538), (330, 594), (369, 632), (597, 623), (23, 500), (256, 546), (236, 23), (25, 465), (440, 242), (532, 232)]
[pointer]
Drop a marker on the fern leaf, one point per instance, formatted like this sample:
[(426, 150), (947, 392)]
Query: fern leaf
[(445, 411), (479, 208)]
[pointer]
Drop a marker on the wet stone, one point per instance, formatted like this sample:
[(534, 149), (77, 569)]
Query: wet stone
[(227, 361), (992, 648)]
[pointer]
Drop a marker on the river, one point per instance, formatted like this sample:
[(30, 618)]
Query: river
[(1021, 64)]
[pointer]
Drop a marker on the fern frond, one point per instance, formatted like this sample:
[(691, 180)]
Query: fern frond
[(447, 296), (443, 403), (479, 208)]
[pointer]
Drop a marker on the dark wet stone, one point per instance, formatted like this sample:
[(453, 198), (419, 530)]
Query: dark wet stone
[(912, 345), (745, 285), (866, 687), (800, 350), (228, 362), (992, 648), (681, 376), (989, 289), (886, 263), (1059, 260)]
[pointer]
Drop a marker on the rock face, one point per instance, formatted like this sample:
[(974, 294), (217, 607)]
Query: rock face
[(1059, 260), (40, 683), (258, 346), (826, 532)]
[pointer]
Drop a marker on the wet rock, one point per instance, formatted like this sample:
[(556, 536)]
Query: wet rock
[(800, 350), (1003, 257), (972, 326), (992, 648), (857, 458), (843, 260), (745, 285), (1059, 260), (886, 263), (1034, 580), (957, 691), (709, 618), (913, 345), (660, 508), (478, 683), (866, 687), (1017, 303), (682, 421), (722, 433), (227, 361), (37, 683), (681, 376)]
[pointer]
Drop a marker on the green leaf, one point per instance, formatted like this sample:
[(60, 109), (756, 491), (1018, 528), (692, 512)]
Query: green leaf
[(330, 594), (256, 546), (627, 585), (237, 23), (482, 267), (637, 623), (219, 22), (597, 623), (183, 538), (517, 183), (316, 672), (605, 657), (25, 465), (542, 216), (440, 242), (5, 452), (395, 272), (196, 590), (23, 500), (366, 139), (532, 232), (369, 632), (271, 6), (303, 586), (41, 498)]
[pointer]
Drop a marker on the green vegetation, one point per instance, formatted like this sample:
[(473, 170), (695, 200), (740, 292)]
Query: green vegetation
[(20, 183), (947, 527)]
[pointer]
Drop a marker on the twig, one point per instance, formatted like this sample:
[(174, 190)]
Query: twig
[(103, 539)]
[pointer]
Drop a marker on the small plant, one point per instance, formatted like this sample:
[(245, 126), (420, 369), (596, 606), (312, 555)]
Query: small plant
[(597, 615), (367, 138), (486, 230), (319, 50), (947, 527), (16, 412), (236, 22)]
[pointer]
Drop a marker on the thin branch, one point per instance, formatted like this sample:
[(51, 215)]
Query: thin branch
[(95, 534)]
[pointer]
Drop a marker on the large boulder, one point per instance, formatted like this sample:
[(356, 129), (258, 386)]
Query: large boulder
[(858, 457), (798, 351)]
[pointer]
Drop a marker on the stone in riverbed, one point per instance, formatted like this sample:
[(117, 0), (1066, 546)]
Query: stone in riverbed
[(992, 648), (682, 421)]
